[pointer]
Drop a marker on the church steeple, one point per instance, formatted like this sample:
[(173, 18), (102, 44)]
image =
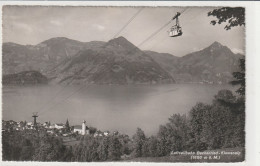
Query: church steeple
[(83, 127)]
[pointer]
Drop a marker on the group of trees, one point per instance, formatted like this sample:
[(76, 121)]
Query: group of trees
[(206, 127), (107, 148), (220, 124), (232, 16), (215, 126), (30, 145)]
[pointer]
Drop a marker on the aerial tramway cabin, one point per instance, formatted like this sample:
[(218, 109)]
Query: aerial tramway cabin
[(175, 29)]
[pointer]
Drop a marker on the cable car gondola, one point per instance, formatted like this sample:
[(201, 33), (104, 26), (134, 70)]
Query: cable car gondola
[(176, 29)]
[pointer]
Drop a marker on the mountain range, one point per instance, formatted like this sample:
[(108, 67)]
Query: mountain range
[(118, 61), (213, 64), (43, 56)]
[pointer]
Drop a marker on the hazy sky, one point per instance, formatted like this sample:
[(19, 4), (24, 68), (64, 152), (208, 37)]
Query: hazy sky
[(32, 25)]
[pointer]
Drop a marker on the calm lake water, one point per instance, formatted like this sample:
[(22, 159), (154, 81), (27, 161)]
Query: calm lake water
[(122, 108)]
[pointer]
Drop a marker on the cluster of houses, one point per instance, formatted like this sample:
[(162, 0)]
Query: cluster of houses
[(55, 128)]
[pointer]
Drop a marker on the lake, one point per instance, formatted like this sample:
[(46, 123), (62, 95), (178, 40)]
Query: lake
[(106, 107)]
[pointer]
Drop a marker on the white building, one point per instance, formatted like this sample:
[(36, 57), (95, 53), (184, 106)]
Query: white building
[(77, 128), (46, 124), (52, 126), (106, 133), (29, 123), (98, 134), (59, 126), (29, 127), (81, 129)]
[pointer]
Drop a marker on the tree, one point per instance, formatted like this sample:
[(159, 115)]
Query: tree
[(27, 150), (197, 122), (68, 154), (92, 130), (152, 146), (103, 149), (174, 135), (139, 139), (87, 149), (114, 150), (178, 129), (145, 148), (226, 98), (218, 126), (125, 142), (163, 146), (234, 16), (240, 78), (230, 114), (49, 149), (67, 126), (239, 120)]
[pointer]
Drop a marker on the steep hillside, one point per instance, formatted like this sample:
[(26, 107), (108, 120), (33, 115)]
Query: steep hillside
[(59, 48), (214, 64), (43, 56), (17, 58), (25, 78), (167, 61), (118, 62)]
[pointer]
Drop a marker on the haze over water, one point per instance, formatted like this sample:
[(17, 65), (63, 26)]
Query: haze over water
[(122, 108)]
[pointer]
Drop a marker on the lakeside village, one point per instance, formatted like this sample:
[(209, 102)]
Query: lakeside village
[(56, 129)]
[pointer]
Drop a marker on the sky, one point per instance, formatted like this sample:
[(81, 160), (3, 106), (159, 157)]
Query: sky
[(34, 24)]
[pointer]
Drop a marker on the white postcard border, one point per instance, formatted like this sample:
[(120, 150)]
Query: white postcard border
[(252, 72)]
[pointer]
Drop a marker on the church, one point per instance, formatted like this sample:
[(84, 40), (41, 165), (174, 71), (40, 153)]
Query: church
[(81, 129)]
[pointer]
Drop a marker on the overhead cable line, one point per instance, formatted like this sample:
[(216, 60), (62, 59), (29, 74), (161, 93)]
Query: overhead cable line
[(128, 22), (56, 94), (153, 34), (184, 10), (54, 97), (157, 31), (65, 99), (144, 41)]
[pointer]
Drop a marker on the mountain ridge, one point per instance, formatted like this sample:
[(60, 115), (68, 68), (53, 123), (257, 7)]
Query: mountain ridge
[(118, 62), (68, 57), (213, 64)]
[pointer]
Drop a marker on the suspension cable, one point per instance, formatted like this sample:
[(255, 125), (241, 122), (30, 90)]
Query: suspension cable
[(144, 41), (128, 22)]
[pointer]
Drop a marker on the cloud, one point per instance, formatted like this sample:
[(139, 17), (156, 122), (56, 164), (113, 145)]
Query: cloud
[(99, 27), (23, 26), (55, 22), (237, 50)]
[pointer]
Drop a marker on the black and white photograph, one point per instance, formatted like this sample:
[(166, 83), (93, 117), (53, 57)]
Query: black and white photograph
[(162, 84)]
